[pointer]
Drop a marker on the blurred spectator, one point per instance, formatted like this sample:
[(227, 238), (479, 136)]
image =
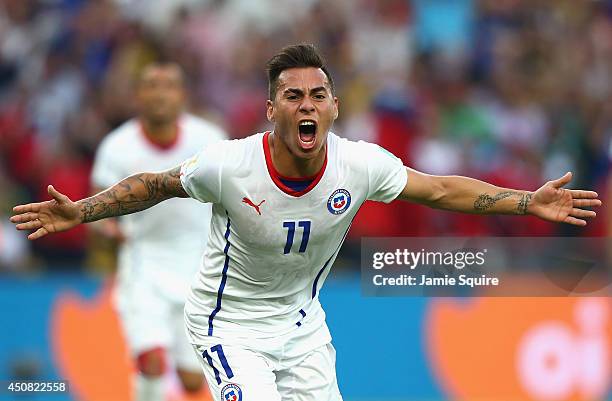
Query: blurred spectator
[(57, 98)]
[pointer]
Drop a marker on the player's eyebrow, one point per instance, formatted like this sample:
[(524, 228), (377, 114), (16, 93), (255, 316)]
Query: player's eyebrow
[(318, 89), (295, 91), (300, 92)]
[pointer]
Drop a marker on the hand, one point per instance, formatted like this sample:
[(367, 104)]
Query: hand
[(59, 214), (554, 203)]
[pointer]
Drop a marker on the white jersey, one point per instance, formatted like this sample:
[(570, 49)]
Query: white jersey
[(165, 243), (270, 248)]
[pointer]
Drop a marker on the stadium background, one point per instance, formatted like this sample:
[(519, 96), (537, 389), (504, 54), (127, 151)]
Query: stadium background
[(512, 91)]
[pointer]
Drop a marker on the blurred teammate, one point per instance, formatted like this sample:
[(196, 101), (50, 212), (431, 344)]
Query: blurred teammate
[(160, 249), (283, 202)]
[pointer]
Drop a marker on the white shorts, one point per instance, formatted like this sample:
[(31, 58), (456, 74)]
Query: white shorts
[(236, 373), (149, 321)]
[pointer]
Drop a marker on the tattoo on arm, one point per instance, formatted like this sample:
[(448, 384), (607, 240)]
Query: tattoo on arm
[(486, 201), (133, 194), (524, 202), (171, 183)]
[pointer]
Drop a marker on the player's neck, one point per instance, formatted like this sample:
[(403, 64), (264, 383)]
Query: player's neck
[(162, 134), (289, 165)]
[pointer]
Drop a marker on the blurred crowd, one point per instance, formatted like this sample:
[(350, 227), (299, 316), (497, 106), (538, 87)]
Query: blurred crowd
[(515, 92)]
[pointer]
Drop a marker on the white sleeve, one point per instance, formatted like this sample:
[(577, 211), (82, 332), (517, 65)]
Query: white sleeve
[(387, 174), (218, 134), (201, 174), (106, 169)]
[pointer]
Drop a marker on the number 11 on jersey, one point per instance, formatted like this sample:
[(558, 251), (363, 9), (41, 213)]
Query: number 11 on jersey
[(290, 226)]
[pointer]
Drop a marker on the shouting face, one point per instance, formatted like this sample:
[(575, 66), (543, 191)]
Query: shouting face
[(303, 110)]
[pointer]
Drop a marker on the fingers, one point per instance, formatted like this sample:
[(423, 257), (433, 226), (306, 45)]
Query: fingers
[(59, 197), (576, 217), (23, 218), (586, 202), (35, 207), (589, 214), (41, 232), (558, 183), (580, 194), (30, 225), (30, 207), (29, 221), (574, 221), (582, 199)]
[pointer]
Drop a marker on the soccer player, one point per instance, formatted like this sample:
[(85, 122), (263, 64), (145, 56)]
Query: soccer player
[(283, 202), (160, 249)]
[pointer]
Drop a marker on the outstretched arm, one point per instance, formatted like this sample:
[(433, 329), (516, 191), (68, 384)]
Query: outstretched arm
[(550, 202), (132, 194), (109, 228)]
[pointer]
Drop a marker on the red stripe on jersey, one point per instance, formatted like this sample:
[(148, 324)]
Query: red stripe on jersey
[(276, 177), (155, 143)]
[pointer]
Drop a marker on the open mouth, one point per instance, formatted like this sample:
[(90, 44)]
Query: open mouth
[(307, 131)]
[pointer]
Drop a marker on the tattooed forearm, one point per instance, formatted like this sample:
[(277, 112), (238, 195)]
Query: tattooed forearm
[(171, 183), (486, 201), (133, 194), (524, 202)]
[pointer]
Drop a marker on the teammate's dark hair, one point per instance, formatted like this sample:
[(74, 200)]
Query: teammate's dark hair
[(296, 56), (163, 64)]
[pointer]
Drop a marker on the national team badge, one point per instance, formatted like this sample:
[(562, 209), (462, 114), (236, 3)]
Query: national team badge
[(231, 392), (339, 201)]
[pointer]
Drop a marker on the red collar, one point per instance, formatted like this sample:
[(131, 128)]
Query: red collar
[(153, 142), (276, 177)]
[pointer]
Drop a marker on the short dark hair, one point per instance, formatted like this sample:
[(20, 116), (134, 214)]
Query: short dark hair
[(163, 64), (295, 56)]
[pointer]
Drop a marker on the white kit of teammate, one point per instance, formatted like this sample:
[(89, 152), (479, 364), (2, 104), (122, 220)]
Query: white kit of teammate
[(275, 247), (163, 245)]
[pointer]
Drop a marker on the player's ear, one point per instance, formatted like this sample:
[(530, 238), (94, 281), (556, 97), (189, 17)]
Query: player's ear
[(270, 110), (336, 105)]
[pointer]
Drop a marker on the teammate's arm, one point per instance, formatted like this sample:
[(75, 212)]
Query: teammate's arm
[(133, 194), (550, 202)]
